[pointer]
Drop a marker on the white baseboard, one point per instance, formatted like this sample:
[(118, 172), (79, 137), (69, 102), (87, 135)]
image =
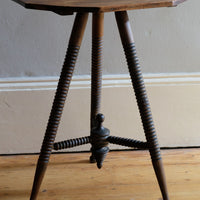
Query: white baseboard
[(25, 104)]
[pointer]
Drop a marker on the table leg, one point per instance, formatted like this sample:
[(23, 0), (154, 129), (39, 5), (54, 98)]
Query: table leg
[(59, 100), (96, 80), (142, 99)]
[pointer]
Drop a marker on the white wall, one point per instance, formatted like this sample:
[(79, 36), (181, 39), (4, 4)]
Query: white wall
[(32, 48), (33, 43), (25, 105)]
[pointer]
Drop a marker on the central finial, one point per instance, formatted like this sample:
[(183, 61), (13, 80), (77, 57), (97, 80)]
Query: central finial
[(99, 141), (99, 120)]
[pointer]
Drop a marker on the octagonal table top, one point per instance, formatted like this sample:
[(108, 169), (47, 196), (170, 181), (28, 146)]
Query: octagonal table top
[(95, 5)]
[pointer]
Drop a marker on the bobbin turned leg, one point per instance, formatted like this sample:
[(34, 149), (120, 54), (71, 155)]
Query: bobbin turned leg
[(59, 100), (96, 79), (141, 96)]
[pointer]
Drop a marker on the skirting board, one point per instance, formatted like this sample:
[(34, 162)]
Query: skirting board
[(25, 104)]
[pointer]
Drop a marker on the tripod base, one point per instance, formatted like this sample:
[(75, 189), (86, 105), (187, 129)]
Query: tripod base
[(100, 137)]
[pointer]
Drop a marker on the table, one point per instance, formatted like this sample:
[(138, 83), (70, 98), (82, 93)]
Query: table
[(99, 136)]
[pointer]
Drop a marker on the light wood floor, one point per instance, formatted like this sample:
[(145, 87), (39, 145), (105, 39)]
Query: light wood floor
[(124, 176)]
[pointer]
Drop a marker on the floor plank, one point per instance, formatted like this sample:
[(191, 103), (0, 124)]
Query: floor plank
[(124, 176)]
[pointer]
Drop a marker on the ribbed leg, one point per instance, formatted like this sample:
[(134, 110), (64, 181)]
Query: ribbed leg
[(96, 80), (59, 100), (141, 96)]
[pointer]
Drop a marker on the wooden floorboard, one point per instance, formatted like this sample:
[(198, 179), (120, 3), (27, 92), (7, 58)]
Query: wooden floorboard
[(124, 176)]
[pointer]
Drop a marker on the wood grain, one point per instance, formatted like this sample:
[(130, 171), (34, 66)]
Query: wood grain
[(124, 176), (95, 5)]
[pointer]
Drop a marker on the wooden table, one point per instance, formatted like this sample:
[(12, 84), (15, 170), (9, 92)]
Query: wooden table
[(95, 5), (99, 136)]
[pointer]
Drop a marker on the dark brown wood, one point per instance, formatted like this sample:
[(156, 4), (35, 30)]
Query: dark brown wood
[(59, 100), (78, 29), (99, 141), (96, 76), (160, 174), (127, 142), (141, 96), (95, 5), (71, 143), (62, 12)]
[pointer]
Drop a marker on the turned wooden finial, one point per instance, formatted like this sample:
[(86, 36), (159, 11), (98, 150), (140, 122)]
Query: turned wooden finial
[(99, 141), (100, 119)]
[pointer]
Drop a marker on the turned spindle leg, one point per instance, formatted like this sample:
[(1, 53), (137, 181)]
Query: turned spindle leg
[(96, 80), (141, 96), (59, 100)]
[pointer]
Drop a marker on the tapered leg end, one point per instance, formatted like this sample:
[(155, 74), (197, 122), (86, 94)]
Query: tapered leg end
[(39, 174), (159, 171), (92, 159)]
